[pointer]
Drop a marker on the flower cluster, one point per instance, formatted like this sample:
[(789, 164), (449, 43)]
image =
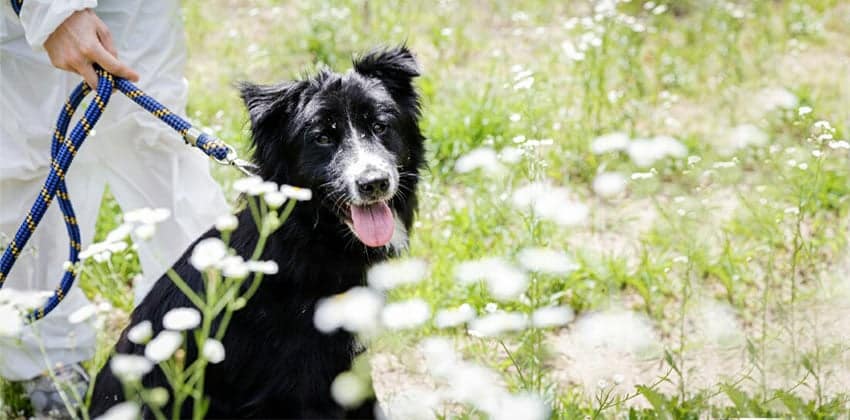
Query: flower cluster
[(467, 383), (273, 194), (14, 305), (213, 254), (162, 347)]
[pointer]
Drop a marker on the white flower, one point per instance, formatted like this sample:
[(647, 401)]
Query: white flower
[(546, 260), (355, 310), (804, 110), (181, 319), (823, 126), (483, 158), (124, 411), (681, 259), (130, 367), (839, 144), (524, 83), (233, 266), (23, 300), (612, 142), (208, 253), (266, 187), (296, 193), (774, 98), (469, 383), (348, 390), (643, 175), (11, 322), (412, 403), (744, 136), (213, 351), (476, 385), (226, 223), (511, 154), (550, 202), (440, 356), (448, 318), (497, 323), (645, 152), (609, 184), (145, 231), (248, 185), (503, 281), (163, 346), (265, 267), (147, 215), (82, 314), (389, 275), (571, 52), (119, 234), (140, 333), (274, 199), (407, 314), (617, 330), (102, 251), (670, 146), (254, 186), (523, 406), (552, 316)]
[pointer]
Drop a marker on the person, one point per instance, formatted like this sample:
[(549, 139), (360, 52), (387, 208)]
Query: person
[(44, 53)]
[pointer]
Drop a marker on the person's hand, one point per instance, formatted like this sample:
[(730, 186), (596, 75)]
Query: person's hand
[(82, 40)]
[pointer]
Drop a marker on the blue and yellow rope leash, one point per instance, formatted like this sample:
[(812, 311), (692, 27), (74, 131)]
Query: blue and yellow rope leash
[(65, 147)]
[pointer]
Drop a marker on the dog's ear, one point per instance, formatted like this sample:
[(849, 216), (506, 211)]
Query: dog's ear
[(395, 67), (263, 101), (271, 109)]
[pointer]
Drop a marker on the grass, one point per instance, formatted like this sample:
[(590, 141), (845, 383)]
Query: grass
[(749, 231)]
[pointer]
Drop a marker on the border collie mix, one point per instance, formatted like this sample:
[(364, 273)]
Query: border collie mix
[(354, 139)]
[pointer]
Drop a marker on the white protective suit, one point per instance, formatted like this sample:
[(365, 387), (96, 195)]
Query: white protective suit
[(144, 162)]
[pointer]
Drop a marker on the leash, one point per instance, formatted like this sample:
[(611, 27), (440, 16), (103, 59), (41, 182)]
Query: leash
[(65, 147)]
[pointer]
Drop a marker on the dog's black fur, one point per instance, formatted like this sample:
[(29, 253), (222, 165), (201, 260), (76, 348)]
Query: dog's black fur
[(278, 365)]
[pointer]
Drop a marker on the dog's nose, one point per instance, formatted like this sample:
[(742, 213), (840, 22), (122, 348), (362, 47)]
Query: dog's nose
[(373, 184)]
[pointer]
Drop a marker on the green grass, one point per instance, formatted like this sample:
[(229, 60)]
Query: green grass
[(691, 74)]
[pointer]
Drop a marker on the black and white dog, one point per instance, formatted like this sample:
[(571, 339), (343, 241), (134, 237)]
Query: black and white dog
[(354, 139)]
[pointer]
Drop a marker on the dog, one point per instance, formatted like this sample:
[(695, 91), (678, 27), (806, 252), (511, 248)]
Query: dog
[(354, 139)]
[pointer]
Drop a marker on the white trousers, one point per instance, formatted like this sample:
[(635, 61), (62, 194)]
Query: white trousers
[(143, 161)]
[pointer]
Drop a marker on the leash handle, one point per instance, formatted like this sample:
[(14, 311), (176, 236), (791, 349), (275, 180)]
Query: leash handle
[(65, 147)]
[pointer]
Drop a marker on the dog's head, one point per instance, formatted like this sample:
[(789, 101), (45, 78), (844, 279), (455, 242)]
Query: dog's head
[(352, 138)]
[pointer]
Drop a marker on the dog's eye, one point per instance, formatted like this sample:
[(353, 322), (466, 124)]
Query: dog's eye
[(323, 140), (379, 128)]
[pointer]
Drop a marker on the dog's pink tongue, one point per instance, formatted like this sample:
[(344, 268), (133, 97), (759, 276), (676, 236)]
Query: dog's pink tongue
[(373, 224)]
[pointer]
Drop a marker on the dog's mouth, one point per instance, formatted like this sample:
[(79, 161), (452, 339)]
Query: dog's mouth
[(373, 223)]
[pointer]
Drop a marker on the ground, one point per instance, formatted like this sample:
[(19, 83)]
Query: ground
[(710, 279)]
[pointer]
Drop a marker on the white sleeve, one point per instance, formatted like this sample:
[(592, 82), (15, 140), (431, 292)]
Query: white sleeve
[(41, 17), (8, 11)]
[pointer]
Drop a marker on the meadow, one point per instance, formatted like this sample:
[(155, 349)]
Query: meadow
[(632, 209)]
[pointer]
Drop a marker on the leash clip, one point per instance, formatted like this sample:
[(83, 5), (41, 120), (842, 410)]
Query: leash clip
[(233, 159)]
